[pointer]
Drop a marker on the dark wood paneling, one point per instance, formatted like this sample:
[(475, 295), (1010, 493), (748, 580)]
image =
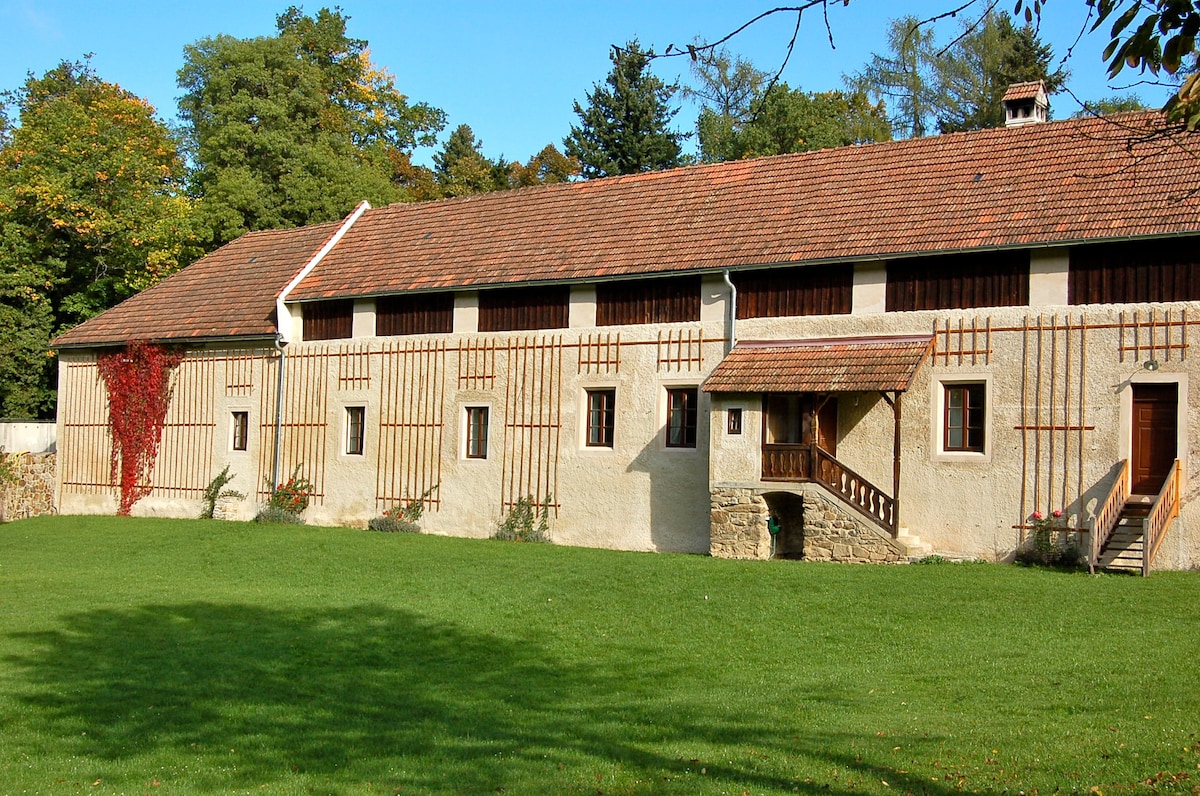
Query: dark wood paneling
[(423, 313), (951, 282), (779, 292), (1116, 273), (648, 301), (513, 309), (329, 320)]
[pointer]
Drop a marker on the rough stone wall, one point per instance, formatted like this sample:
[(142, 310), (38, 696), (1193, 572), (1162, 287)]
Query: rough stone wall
[(832, 533), (739, 524), (829, 531), (33, 492)]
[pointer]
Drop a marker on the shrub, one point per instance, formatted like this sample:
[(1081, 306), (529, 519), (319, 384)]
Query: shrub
[(931, 559), (8, 468), (1044, 548), (276, 516), (402, 518), (526, 521), (216, 490)]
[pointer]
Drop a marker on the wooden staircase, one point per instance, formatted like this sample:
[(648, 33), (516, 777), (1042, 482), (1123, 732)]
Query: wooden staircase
[(1125, 548), (1128, 528)]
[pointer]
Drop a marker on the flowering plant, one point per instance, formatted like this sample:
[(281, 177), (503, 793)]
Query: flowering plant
[(292, 495)]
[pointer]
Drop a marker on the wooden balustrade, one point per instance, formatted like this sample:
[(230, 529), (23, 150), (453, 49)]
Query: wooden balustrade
[(811, 463), (1166, 509), (1109, 514)]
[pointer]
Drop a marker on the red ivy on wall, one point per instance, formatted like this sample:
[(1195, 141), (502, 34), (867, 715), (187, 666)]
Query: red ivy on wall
[(139, 392)]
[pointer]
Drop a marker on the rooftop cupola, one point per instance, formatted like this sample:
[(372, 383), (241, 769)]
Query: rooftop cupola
[(1026, 103)]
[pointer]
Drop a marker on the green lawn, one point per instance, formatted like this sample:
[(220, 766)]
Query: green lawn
[(153, 656)]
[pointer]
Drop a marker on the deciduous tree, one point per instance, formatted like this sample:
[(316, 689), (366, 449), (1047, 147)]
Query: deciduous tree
[(91, 210), (295, 128)]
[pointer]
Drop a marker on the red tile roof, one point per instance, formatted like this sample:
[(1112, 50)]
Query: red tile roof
[(1020, 91), (1044, 184), (229, 293), (858, 364)]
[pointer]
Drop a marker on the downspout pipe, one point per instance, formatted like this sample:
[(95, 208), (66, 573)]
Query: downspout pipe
[(283, 325), (280, 345), (732, 311)]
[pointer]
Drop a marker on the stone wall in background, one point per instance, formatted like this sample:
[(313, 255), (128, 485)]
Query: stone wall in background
[(33, 491)]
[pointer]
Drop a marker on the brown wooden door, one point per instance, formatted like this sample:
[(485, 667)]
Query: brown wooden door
[(1155, 431)]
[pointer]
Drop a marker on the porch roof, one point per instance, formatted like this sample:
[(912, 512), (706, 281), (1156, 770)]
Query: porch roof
[(845, 364)]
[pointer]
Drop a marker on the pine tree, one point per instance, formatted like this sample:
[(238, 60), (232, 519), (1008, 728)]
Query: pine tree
[(624, 129)]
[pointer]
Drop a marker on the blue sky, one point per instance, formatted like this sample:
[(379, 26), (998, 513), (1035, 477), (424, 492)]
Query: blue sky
[(510, 70)]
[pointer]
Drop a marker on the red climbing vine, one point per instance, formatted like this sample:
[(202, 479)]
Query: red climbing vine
[(139, 391)]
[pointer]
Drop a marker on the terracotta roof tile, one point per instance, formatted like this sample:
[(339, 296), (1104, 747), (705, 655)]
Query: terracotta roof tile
[(1043, 184), (1021, 91), (229, 293), (859, 364), (1050, 183)]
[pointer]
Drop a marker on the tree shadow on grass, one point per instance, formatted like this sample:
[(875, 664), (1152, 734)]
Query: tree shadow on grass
[(244, 696)]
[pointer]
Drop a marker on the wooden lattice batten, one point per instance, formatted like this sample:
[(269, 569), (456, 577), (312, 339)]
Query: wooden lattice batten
[(354, 366), (962, 344), (184, 464), (1156, 335), (1053, 421), (412, 390), (86, 444), (532, 420), (681, 349), (600, 352), (305, 426), (477, 364)]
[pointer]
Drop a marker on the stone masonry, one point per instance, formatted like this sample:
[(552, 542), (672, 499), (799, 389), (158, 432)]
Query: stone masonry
[(830, 532), (33, 491)]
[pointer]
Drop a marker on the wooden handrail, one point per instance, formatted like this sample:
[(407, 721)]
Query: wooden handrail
[(807, 462), (1109, 514), (1166, 509)]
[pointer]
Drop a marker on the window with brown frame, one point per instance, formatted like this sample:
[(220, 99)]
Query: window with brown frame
[(959, 281), (240, 422), (420, 313), (477, 432), (965, 420), (675, 300), (329, 320), (356, 430), (514, 309), (1141, 271), (601, 415), (733, 421), (682, 417), (781, 292)]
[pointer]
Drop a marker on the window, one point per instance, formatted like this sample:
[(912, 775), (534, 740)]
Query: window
[(675, 300), (601, 405), (733, 421), (241, 430), (356, 424), (518, 308), (681, 417), (808, 290), (1112, 273), (419, 313), (965, 418), (477, 432), (944, 282)]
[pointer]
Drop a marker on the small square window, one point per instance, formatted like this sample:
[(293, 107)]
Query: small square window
[(965, 418), (356, 424), (681, 417), (601, 408), (733, 421), (477, 432), (240, 430)]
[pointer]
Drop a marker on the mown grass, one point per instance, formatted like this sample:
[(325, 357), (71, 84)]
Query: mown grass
[(153, 656)]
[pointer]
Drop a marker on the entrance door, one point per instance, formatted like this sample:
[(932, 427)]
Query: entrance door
[(791, 416), (1155, 433)]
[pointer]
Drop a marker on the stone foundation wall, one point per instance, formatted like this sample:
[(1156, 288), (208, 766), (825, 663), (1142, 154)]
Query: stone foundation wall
[(829, 532), (33, 492), (739, 524), (832, 533)]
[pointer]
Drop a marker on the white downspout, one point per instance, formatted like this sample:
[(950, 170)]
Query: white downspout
[(732, 311)]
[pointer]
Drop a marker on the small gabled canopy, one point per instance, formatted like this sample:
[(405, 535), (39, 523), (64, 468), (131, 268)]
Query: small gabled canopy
[(826, 365)]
